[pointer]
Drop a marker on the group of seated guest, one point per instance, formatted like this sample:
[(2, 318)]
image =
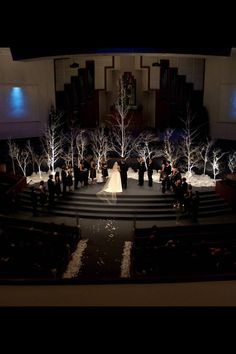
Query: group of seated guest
[(38, 250), (174, 251)]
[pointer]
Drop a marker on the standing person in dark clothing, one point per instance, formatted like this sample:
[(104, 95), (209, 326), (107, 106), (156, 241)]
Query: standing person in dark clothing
[(69, 178), (150, 171), (184, 186), (76, 176), (86, 168), (57, 184), (93, 173), (104, 169), (175, 176), (141, 170), (166, 177), (123, 173), (64, 179), (188, 200), (51, 191)]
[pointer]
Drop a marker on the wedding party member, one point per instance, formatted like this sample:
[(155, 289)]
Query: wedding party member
[(166, 177), (150, 171), (76, 176), (69, 178), (51, 191), (57, 184), (63, 179), (92, 170), (104, 169), (141, 170), (113, 184), (86, 169), (123, 172)]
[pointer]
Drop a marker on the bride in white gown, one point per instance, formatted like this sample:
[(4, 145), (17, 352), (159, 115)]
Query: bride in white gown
[(113, 184)]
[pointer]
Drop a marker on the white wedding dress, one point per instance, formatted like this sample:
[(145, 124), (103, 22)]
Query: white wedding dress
[(112, 186)]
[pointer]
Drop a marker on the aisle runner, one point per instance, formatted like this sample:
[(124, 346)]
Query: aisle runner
[(125, 263), (76, 261)]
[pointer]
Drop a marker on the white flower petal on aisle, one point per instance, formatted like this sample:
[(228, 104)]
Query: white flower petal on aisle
[(126, 260), (75, 263)]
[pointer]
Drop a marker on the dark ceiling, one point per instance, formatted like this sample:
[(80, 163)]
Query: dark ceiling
[(28, 52)]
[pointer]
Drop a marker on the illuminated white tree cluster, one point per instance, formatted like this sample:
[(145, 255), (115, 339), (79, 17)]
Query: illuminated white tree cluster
[(189, 152)]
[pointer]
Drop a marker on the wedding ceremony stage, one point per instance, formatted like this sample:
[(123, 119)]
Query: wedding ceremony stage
[(134, 203)]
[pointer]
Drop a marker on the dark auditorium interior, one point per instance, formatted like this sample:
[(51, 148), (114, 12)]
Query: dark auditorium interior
[(144, 246)]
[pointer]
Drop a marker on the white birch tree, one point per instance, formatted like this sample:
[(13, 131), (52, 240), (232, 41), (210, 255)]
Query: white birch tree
[(122, 139), (171, 150), (204, 153), (22, 157), (145, 146), (36, 159), (53, 141), (39, 161), (100, 144), (81, 142), (232, 161), (190, 147), (70, 141), (217, 154)]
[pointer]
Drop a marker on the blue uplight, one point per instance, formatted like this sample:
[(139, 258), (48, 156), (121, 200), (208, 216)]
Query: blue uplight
[(17, 104)]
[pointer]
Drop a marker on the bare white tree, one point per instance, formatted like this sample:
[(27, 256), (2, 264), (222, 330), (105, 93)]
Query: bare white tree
[(204, 153), (171, 151), (190, 148), (70, 140), (145, 146), (31, 151), (53, 141), (39, 161), (217, 154), (36, 159), (22, 157), (232, 161), (81, 143), (100, 144), (122, 142)]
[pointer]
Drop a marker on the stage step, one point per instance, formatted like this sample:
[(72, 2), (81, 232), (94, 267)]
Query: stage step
[(140, 207)]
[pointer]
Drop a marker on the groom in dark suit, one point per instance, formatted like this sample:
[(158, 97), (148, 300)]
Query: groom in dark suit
[(123, 172)]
